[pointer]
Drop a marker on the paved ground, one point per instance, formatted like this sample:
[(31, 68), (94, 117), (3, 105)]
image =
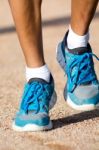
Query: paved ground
[(73, 130)]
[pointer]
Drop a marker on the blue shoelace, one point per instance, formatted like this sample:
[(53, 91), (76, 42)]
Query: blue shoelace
[(36, 93), (84, 72)]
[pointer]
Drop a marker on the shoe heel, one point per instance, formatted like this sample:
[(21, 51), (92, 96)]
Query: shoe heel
[(60, 57), (53, 100)]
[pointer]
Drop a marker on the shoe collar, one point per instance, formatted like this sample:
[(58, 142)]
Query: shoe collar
[(76, 51)]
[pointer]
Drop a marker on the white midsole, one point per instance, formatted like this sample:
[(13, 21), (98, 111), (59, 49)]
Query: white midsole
[(85, 107), (31, 127), (34, 127)]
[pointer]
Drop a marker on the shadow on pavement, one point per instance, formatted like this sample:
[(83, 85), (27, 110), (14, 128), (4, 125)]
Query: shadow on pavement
[(80, 117), (46, 23), (7, 30)]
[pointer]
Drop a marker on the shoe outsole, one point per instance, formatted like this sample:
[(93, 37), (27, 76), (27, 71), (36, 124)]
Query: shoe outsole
[(31, 127), (62, 63), (81, 107), (34, 127)]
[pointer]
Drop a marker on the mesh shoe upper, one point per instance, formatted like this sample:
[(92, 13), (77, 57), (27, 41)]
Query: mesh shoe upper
[(80, 71), (34, 107), (82, 83)]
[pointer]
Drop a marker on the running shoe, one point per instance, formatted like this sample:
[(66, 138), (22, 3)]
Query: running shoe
[(82, 88), (38, 98)]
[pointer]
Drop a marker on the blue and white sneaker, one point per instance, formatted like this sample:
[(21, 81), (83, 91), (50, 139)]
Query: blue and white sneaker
[(38, 98), (82, 87)]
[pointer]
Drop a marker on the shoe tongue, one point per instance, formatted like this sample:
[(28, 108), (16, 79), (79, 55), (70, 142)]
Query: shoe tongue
[(40, 80), (79, 50), (36, 80), (76, 51)]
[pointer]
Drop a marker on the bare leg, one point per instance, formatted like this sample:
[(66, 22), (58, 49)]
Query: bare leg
[(82, 14), (39, 92), (27, 16)]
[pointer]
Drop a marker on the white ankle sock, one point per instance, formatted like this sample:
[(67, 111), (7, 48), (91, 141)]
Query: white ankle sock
[(74, 40), (40, 72)]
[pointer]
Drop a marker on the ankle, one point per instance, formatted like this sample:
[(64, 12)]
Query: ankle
[(42, 72), (35, 65)]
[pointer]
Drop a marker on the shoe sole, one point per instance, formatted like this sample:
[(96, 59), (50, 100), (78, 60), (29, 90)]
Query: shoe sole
[(62, 63), (34, 127), (82, 107)]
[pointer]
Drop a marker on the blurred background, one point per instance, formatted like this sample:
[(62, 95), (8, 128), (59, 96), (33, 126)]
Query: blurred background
[(72, 130)]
